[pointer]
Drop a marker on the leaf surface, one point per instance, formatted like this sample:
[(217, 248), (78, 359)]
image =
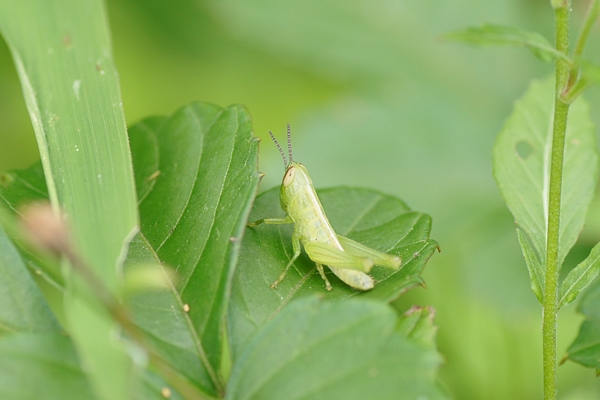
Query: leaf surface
[(379, 221), (521, 160), (24, 309), (196, 177), (580, 277), (317, 349), (585, 349), (41, 366), (536, 271)]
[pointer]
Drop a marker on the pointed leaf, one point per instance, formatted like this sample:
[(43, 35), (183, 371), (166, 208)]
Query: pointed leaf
[(417, 325), (585, 349), (521, 158), (371, 218), (499, 35), (580, 277), (317, 349), (41, 367), (590, 303), (197, 177), (536, 272)]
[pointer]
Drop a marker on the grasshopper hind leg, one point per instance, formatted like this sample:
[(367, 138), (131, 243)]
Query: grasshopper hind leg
[(322, 273)]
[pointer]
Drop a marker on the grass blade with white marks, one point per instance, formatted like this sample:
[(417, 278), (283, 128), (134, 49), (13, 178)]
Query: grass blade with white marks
[(62, 53)]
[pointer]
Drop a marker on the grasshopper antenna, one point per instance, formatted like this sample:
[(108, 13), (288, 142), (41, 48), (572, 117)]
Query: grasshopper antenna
[(289, 137), (280, 149)]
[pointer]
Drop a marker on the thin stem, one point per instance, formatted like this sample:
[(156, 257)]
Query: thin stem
[(591, 17), (121, 316), (561, 110)]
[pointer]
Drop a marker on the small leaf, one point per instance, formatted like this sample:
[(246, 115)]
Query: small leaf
[(536, 272), (379, 221), (580, 277), (585, 349), (590, 303), (499, 35), (417, 325), (589, 74), (317, 349), (41, 366), (521, 160)]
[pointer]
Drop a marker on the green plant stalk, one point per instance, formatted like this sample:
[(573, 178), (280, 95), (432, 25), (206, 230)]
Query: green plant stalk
[(561, 110), (591, 17)]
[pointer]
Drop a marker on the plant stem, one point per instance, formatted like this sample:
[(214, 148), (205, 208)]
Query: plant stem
[(591, 16), (561, 110)]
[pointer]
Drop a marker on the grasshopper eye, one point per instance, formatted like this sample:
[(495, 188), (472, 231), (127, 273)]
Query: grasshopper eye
[(289, 176)]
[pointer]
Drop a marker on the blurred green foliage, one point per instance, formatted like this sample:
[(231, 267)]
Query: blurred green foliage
[(375, 99)]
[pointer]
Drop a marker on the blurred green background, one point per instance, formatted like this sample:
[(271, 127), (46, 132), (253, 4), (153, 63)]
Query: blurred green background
[(376, 99)]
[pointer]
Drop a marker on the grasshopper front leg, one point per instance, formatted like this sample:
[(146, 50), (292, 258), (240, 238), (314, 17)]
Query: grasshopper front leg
[(272, 221), (297, 250)]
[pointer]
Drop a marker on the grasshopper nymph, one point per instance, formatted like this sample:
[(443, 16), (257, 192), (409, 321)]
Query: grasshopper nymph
[(346, 258)]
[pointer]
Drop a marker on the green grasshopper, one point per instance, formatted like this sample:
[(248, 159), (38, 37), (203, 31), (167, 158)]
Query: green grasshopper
[(347, 259)]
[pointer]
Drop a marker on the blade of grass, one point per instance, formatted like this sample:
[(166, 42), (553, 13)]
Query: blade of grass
[(71, 89)]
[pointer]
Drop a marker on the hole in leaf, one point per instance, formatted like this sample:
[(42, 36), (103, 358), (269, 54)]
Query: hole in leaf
[(524, 149)]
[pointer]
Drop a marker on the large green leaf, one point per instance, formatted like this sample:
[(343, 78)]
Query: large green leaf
[(197, 177), (63, 57), (521, 158), (23, 307), (374, 219), (36, 366), (317, 349), (203, 228)]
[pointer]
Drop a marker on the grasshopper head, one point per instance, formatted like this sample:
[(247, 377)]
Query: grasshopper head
[(296, 176), (295, 180)]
